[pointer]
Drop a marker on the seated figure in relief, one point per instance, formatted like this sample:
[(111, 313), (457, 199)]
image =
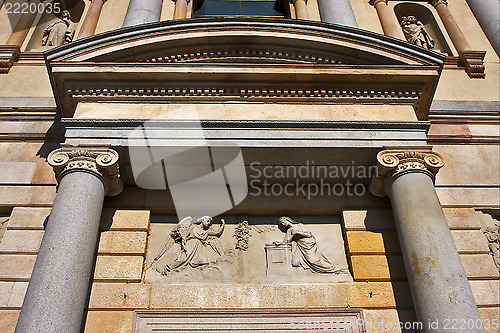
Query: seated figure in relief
[(60, 32), (305, 253), (415, 32)]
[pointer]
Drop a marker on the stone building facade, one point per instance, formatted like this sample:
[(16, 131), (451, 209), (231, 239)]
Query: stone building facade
[(299, 165)]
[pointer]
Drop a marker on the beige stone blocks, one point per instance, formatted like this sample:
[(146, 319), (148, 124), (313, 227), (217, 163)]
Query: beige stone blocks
[(490, 317), (462, 218), (122, 242), (390, 321), (120, 296), (370, 242), (479, 266), (28, 218), (21, 241), (470, 242), (15, 267), (118, 268), (379, 295), (8, 320), (109, 322), (12, 294), (125, 220), (486, 293), (378, 268), (25, 195), (372, 219), (247, 295)]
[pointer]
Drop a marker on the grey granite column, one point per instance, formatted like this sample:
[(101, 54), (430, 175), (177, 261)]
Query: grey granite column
[(142, 11), (487, 13), (337, 11), (60, 283), (440, 290)]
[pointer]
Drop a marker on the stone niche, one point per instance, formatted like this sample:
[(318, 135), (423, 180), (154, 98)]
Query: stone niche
[(248, 249)]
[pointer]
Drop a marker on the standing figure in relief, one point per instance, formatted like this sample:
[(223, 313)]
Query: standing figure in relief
[(60, 32), (415, 32), (194, 239), (306, 253)]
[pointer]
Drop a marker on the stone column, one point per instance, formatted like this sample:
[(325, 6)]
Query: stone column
[(487, 14), (22, 27), (472, 60), (141, 11), (181, 8), (300, 9), (91, 19), (60, 283), (337, 11), (388, 19), (439, 286)]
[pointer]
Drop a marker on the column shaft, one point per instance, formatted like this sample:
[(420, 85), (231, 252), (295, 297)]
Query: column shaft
[(89, 25), (300, 9), (439, 286), (60, 283), (337, 11), (456, 35), (22, 28), (141, 11), (388, 19), (487, 14), (180, 11)]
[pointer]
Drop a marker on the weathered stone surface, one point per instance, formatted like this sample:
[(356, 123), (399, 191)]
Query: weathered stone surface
[(15, 267), (123, 242), (461, 218), (486, 293), (21, 241), (12, 294), (480, 197), (479, 266), (369, 242), (28, 218), (379, 295), (371, 219), (391, 321), (8, 320), (109, 322), (44, 174), (118, 268), (247, 295), (120, 296), (125, 220), (27, 195), (378, 268), (491, 318), (470, 241), (16, 172)]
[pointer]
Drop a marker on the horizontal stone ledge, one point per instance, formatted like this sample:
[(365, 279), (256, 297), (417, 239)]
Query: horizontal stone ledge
[(27, 195), (118, 268), (120, 296)]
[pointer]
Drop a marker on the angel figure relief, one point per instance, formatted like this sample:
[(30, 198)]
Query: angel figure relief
[(196, 239)]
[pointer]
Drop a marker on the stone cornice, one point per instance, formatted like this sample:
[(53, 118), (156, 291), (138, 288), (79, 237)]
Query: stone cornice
[(393, 163), (103, 162), (8, 55)]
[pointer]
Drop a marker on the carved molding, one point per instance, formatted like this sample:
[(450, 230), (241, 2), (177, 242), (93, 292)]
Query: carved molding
[(435, 3), (102, 162), (374, 2), (394, 163), (93, 94), (473, 62), (8, 55)]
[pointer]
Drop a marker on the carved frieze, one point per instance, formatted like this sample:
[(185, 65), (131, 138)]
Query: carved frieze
[(102, 162), (492, 234), (394, 163)]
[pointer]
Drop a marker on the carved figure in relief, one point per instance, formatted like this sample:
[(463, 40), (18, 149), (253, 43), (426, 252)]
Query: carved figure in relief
[(492, 235), (60, 32), (415, 32), (195, 239), (305, 253)]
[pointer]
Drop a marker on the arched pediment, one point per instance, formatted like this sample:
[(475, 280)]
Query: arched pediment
[(243, 59), (233, 39)]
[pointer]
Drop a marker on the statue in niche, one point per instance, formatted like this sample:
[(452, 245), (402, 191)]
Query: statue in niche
[(305, 252), (415, 32), (60, 32), (492, 235), (195, 239)]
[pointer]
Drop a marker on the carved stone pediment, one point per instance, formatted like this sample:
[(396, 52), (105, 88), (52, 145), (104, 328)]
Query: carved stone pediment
[(236, 59)]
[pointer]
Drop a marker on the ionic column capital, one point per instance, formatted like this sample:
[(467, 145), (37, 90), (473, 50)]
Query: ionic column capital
[(395, 163), (102, 162), (374, 2), (435, 3), (294, 1)]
